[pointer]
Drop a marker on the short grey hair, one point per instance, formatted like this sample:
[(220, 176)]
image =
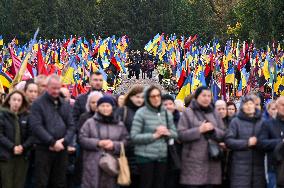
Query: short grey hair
[(53, 77), (220, 103), (92, 94)]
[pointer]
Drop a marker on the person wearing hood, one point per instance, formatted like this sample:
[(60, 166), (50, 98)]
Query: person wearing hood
[(271, 137), (134, 100), (15, 140), (102, 133), (199, 124), (152, 127), (247, 166)]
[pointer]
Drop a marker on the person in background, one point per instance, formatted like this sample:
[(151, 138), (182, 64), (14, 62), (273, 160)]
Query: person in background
[(173, 175), (15, 140), (53, 130), (257, 101), (40, 80), (134, 100), (2, 98), (102, 133), (151, 128), (270, 137), (96, 83), (247, 166), (137, 67), (270, 110), (161, 71), (120, 100), (199, 123), (221, 108), (169, 104), (144, 69), (31, 91), (91, 108), (67, 95), (231, 110), (150, 69)]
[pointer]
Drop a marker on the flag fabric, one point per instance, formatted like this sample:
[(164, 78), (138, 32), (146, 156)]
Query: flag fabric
[(41, 64), (1, 41), (5, 80)]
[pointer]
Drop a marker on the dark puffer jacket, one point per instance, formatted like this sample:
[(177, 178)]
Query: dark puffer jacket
[(8, 121), (51, 122), (80, 107), (247, 167)]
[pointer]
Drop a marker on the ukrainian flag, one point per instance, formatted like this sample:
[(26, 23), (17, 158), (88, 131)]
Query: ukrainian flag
[(1, 41), (5, 80)]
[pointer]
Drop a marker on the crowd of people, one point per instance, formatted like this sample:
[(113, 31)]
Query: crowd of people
[(49, 139)]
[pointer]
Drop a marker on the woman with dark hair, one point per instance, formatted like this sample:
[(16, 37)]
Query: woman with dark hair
[(15, 140), (231, 110), (120, 100), (199, 125), (134, 100), (31, 91), (247, 166), (151, 129)]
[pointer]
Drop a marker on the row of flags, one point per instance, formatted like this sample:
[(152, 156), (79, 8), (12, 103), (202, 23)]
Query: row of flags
[(73, 59), (230, 70)]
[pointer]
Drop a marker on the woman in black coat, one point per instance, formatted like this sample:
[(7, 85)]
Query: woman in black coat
[(247, 167), (15, 140), (133, 101)]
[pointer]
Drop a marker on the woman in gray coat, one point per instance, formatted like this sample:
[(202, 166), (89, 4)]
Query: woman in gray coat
[(199, 122), (100, 133), (247, 166)]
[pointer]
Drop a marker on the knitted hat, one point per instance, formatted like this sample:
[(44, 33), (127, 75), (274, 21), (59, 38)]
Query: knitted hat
[(166, 97), (106, 99), (199, 90)]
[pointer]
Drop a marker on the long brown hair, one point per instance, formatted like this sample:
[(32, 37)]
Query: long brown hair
[(25, 103), (135, 89)]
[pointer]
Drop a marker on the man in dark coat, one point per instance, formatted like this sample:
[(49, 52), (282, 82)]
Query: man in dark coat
[(96, 83), (53, 129), (272, 135)]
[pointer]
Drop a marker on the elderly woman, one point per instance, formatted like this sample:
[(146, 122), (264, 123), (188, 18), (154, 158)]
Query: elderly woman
[(199, 123), (15, 140), (91, 107), (102, 133), (247, 167)]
